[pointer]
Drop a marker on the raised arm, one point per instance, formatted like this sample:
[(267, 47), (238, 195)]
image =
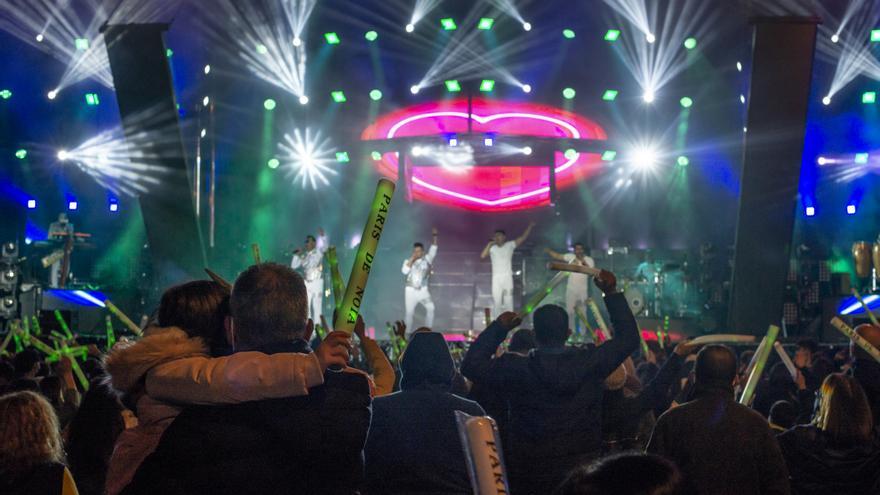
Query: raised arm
[(553, 254), (486, 251), (321, 242), (525, 235), (297, 260), (383, 372), (612, 353), (477, 363)]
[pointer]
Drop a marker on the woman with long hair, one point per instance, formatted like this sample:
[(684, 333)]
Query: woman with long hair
[(840, 451), (31, 454)]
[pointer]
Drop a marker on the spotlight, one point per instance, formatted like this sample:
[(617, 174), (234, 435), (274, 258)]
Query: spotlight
[(835, 38), (850, 209), (113, 205), (686, 102), (297, 41), (52, 94), (92, 99), (453, 140), (570, 154), (683, 161), (269, 104), (203, 133), (826, 100), (63, 155), (303, 100), (690, 43), (650, 38), (448, 24), (644, 158), (810, 211), (568, 34), (821, 160), (342, 157), (72, 205), (332, 38), (416, 151), (273, 163), (31, 204), (488, 141), (375, 155), (414, 89), (207, 69), (742, 99), (527, 150), (81, 44), (527, 26), (452, 86), (609, 155), (40, 38), (568, 93), (739, 67), (609, 95), (485, 23), (21, 154), (375, 95), (648, 95), (612, 35), (5, 94), (371, 35), (487, 85), (875, 35), (869, 97), (527, 88), (261, 49), (205, 101), (410, 27), (861, 158), (338, 96)]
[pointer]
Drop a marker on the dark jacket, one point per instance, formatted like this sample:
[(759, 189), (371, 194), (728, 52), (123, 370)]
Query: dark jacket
[(867, 372), (555, 398), (722, 447), (307, 444), (42, 479), (817, 468)]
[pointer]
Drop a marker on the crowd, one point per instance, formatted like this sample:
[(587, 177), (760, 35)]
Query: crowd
[(239, 392)]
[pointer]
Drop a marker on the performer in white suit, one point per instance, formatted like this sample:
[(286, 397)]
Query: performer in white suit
[(577, 290), (417, 269), (311, 260), (500, 251)]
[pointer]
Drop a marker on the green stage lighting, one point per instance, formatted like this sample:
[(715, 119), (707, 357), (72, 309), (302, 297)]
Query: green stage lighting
[(169, 52), (332, 38), (448, 24), (92, 99), (609, 95), (612, 35), (485, 23), (5, 94), (875, 35), (683, 161), (452, 86), (21, 154), (261, 49), (273, 163), (375, 95), (608, 155), (568, 93), (375, 155), (690, 43), (269, 104), (570, 154), (686, 102), (487, 85), (82, 44), (869, 97), (568, 33), (371, 35), (861, 158), (338, 96), (342, 157)]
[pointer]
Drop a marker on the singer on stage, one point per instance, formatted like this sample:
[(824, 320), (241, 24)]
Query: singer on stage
[(417, 269), (577, 290), (500, 251), (311, 260)]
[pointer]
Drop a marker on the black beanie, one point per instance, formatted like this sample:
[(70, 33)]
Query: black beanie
[(426, 361)]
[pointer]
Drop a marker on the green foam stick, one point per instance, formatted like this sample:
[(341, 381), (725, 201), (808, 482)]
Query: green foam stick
[(335, 276), (366, 255), (543, 292), (866, 308), (761, 356), (42, 347), (598, 316), (579, 311), (63, 324), (7, 339), (111, 335), (255, 250), (35, 325), (858, 339), (123, 318), (25, 326), (16, 337)]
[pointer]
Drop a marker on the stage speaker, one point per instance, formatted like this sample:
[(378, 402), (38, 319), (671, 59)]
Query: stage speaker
[(782, 64)]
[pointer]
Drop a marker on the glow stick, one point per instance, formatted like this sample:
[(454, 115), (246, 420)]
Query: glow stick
[(643, 344), (539, 296), (579, 311), (35, 322), (723, 338), (363, 261), (867, 309), (856, 338), (568, 267), (17, 339), (487, 317), (762, 354), (57, 335), (660, 340), (111, 335), (123, 318), (63, 324), (219, 280), (335, 276), (255, 250), (786, 360), (6, 339), (26, 327), (482, 448), (41, 346), (598, 316), (754, 359)]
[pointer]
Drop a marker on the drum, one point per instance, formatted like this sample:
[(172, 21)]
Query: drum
[(861, 252), (876, 254), (635, 299)]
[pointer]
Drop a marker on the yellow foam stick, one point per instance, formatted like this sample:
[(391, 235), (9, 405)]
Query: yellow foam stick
[(568, 267), (761, 356), (222, 282), (255, 250), (6, 339), (856, 338), (543, 292), (487, 317), (598, 316), (579, 311), (723, 338), (366, 255), (335, 276), (63, 324), (867, 309), (35, 324), (123, 318)]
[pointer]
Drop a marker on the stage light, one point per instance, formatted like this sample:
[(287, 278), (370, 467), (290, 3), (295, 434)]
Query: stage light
[(568, 34), (416, 151), (650, 38), (342, 157), (448, 24), (742, 99), (72, 205), (488, 141), (648, 95), (485, 23), (835, 38), (821, 160), (570, 154), (40, 38), (375, 95), (81, 44), (5, 94), (31, 204), (612, 35), (609, 155), (810, 211), (826, 100), (205, 101), (375, 155), (170, 53), (410, 27), (487, 85), (92, 99), (861, 158), (739, 67), (303, 100), (21, 154), (269, 104), (527, 88), (261, 49), (609, 95), (526, 150), (452, 85), (207, 69), (414, 89), (338, 96), (113, 205), (869, 97), (63, 155), (371, 35), (850, 209), (332, 38), (453, 140), (644, 158), (683, 161), (686, 102), (307, 156), (568, 93), (52, 94), (527, 26), (273, 163), (875, 35), (203, 133)]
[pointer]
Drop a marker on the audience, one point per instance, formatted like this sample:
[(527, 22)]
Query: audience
[(866, 369), (625, 474)]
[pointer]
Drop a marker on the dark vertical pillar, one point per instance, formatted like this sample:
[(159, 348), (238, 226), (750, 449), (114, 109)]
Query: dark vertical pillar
[(782, 64), (144, 91)]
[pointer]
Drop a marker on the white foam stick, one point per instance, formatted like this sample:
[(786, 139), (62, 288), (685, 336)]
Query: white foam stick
[(870, 313), (754, 357), (786, 360), (856, 338), (723, 338), (598, 316), (482, 448), (568, 267)]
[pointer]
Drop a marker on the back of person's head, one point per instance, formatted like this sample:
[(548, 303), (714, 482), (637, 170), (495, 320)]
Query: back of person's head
[(50, 387), (551, 326), (26, 362), (268, 305), (29, 433), (844, 412), (198, 308), (809, 344), (745, 357), (426, 361), (522, 341), (22, 385), (783, 414), (715, 366), (625, 474), (779, 376)]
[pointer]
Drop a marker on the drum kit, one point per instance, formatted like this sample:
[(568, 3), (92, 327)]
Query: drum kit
[(866, 257), (665, 289)]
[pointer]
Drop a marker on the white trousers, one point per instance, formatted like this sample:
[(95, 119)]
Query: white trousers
[(502, 293), (412, 298), (572, 298), (315, 293)]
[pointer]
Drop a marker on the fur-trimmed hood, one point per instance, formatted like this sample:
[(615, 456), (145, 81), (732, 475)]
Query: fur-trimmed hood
[(126, 365)]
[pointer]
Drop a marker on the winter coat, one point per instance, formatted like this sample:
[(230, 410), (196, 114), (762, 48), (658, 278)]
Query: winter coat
[(867, 372), (554, 396), (817, 468)]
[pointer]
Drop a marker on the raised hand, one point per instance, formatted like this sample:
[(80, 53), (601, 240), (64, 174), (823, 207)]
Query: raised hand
[(606, 282), (334, 350), (686, 347), (509, 320)]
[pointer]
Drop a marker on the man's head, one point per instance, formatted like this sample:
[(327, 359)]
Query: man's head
[(715, 367), (806, 347), (579, 250), (500, 237), (27, 363), (551, 326), (418, 250), (426, 361), (523, 341), (783, 414), (62, 217), (198, 308), (268, 305), (310, 242)]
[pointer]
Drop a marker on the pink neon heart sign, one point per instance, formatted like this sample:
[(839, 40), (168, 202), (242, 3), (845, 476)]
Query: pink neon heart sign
[(501, 188)]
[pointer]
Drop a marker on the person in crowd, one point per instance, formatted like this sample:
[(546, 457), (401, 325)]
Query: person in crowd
[(413, 444), (555, 392), (722, 447), (60, 390), (7, 374), (840, 452), (783, 415), (777, 386), (31, 452), (306, 444), (27, 364), (380, 368), (866, 369), (625, 474), (810, 361)]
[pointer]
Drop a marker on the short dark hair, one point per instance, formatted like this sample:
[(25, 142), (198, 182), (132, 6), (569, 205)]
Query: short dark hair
[(715, 366), (523, 340), (311, 238), (783, 414), (809, 344), (418, 245), (551, 325), (268, 305), (24, 361), (500, 231), (198, 308), (581, 244), (614, 474)]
